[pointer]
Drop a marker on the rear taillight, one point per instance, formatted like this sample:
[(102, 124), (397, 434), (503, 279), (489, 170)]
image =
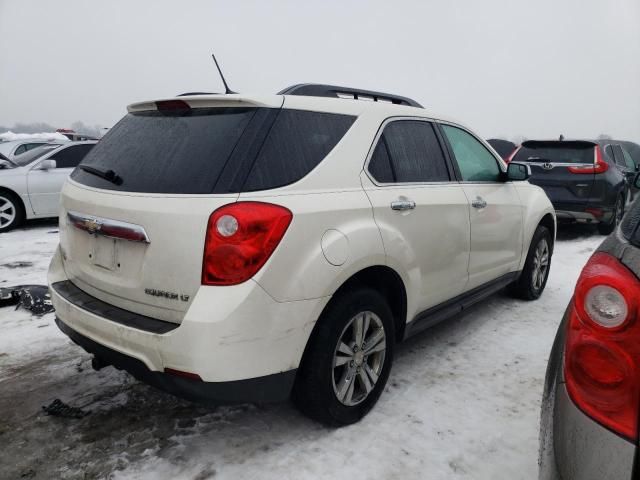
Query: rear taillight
[(240, 239), (599, 165), (602, 351), (513, 154)]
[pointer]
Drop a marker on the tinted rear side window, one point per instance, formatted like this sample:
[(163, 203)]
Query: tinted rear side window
[(297, 143), (380, 164), (213, 150), (414, 152), (70, 157), (619, 156)]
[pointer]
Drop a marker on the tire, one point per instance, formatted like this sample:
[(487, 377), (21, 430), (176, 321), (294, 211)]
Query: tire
[(329, 394), (618, 212), (11, 211), (532, 280)]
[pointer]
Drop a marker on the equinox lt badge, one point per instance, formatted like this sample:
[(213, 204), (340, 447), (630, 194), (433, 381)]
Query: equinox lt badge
[(170, 295)]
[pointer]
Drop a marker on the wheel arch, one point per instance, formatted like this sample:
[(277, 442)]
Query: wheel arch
[(383, 279), (388, 282), (549, 222)]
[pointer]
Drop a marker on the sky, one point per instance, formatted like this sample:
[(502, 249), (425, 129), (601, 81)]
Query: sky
[(506, 68)]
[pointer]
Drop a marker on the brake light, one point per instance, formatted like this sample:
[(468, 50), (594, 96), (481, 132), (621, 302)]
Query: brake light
[(173, 107), (599, 165), (602, 351), (240, 239)]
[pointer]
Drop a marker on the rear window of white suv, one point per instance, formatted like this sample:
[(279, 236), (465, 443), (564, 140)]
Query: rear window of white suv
[(212, 150)]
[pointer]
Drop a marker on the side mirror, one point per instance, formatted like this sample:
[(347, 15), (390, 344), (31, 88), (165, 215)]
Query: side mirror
[(637, 182), (47, 165), (5, 164), (517, 172)]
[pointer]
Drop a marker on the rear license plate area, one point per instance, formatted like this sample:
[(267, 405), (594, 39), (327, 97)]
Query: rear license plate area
[(104, 252)]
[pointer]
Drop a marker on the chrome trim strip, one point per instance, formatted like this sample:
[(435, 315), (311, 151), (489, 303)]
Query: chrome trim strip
[(96, 226), (554, 164)]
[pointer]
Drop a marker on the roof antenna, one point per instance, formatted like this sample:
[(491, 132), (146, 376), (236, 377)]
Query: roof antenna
[(227, 90)]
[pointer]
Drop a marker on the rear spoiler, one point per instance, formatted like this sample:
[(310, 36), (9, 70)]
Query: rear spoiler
[(214, 100), (559, 144)]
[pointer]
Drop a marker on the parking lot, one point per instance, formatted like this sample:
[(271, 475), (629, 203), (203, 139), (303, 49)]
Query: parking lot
[(462, 400)]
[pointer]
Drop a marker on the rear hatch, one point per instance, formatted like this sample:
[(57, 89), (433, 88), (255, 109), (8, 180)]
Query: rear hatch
[(564, 169), (135, 211)]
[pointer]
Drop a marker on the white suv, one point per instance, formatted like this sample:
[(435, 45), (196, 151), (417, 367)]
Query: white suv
[(236, 248)]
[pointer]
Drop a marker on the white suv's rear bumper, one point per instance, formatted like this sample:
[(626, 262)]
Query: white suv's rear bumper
[(246, 336)]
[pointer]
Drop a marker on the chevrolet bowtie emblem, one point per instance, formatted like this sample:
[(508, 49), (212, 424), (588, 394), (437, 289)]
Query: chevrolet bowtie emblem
[(92, 225)]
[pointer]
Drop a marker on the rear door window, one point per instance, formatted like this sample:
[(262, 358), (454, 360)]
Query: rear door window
[(71, 156), (380, 164), (31, 146), (475, 161), (619, 157), (213, 150), (408, 152)]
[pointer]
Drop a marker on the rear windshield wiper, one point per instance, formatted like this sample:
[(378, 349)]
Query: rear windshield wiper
[(108, 175)]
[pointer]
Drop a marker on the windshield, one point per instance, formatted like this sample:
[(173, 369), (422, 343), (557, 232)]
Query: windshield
[(31, 155)]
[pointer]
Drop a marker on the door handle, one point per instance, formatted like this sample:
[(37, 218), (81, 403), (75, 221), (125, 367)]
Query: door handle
[(402, 205), (478, 203)]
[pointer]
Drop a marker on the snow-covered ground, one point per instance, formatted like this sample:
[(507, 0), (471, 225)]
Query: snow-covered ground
[(462, 400)]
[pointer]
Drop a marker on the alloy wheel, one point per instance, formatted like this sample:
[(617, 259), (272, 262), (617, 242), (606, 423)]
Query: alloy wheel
[(358, 358), (7, 212), (540, 264)]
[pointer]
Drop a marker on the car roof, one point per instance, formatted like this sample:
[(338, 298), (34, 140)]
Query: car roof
[(322, 104), (7, 147)]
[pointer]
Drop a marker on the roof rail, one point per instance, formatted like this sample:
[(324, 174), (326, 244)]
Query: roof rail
[(319, 90)]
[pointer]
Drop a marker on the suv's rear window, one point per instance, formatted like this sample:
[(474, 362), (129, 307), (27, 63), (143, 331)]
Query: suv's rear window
[(568, 152), (213, 150)]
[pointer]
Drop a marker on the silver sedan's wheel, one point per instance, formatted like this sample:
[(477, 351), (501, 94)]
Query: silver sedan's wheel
[(540, 264), (358, 358), (8, 212)]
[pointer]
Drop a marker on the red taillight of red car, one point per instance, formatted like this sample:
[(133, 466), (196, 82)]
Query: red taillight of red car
[(602, 350), (599, 165), (240, 239)]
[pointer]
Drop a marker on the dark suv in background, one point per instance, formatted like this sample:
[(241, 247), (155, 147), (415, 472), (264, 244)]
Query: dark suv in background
[(586, 181), (591, 401)]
